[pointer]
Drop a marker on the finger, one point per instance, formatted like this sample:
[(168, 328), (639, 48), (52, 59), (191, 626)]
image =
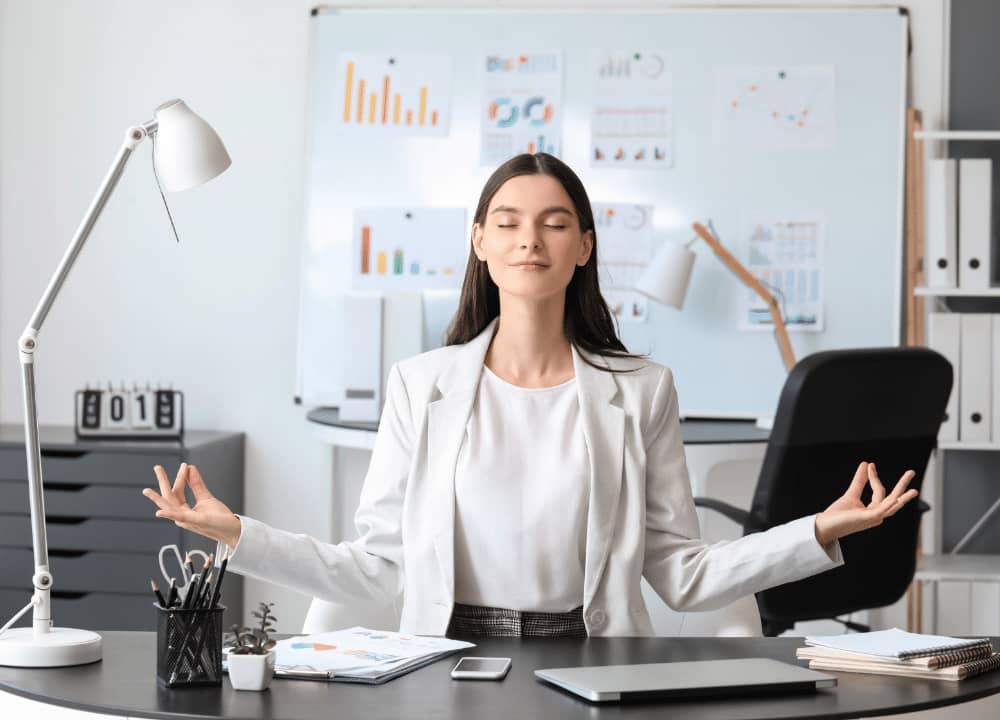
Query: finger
[(900, 502), (197, 484), (878, 489), (901, 486), (178, 515), (162, 480), (155, 497), (180, 483), (859, 481)]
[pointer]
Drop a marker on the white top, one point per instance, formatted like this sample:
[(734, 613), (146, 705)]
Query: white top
[(522, 486)]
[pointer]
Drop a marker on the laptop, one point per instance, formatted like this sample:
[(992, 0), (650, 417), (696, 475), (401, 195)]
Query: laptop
[(686, 680)]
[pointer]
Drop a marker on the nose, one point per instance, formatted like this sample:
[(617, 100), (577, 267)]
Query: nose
[(532, 238)]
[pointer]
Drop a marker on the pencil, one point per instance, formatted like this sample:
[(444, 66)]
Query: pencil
[(218, 581), (172, 595), (159, 596)]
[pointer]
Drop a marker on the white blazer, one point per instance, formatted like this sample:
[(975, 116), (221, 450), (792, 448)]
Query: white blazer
[(641, 518)]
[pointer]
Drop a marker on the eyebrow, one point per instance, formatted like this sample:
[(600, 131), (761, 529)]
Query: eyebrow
[(546, 211)]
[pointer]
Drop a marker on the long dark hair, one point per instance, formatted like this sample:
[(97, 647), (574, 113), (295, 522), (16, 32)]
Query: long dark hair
[(588, 322)]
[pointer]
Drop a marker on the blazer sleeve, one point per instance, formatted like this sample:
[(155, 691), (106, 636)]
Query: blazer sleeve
[(689, 573), (366, 569)]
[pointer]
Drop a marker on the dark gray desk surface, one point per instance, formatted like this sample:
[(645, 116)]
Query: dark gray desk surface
[(694, 432), (124, 683)]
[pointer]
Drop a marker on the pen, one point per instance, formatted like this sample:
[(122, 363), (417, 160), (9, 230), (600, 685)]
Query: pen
[(159, 596), (218, 580)]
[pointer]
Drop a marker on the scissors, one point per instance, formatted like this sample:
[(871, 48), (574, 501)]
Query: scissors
[(182, 580)]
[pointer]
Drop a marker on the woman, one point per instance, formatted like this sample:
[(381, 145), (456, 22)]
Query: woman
[(527, 475)]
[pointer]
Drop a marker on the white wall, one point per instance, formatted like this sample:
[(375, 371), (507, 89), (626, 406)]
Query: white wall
[(215, 315)]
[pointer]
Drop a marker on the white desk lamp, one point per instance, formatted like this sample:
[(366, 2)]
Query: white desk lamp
[(186, 152), (666, 281)]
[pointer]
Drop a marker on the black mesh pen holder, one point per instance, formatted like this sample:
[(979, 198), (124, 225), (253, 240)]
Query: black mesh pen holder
[(189, 646)]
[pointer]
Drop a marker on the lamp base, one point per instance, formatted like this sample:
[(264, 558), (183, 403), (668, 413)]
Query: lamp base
[(59, 647)]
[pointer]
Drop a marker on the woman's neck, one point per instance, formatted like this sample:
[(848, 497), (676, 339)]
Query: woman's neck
[(530, 348)]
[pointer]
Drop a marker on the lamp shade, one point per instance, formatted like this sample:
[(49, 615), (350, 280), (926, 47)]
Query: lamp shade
[(187, 152), (666, 278)]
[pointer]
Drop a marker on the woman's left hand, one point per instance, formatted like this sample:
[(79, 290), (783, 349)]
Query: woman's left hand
[(849, 515)]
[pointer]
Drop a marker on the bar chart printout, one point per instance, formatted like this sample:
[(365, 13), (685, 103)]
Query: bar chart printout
[(408, 248), (386, 94), (631, 122)]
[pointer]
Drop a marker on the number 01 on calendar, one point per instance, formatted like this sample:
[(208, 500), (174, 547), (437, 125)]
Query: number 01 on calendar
[(130, 413)]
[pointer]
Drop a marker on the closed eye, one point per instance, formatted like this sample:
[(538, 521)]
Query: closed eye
[(556, 227)]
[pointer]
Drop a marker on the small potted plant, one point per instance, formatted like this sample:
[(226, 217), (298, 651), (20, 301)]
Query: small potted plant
[(251, 654)]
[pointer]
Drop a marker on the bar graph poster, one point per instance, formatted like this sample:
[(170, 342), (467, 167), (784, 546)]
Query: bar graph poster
[(624, 238), (521, 106), (787, 257), (631, 119), (408, 249), (386, 94), (777, 107)]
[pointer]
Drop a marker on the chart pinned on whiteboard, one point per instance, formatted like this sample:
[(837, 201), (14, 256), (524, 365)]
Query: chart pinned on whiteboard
[(631, 121), (777, 107), (393, 94), (521, 105), (408, 248), (787, 257), (625, 234)]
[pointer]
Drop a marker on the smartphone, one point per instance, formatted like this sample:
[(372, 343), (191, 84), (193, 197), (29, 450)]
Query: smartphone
[(481, 668)]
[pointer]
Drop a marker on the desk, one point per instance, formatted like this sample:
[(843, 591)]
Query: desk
[(124, 684)]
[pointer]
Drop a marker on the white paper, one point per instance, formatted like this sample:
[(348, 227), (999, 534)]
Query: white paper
[(787, 257), (777, 107), (408, 248), (624, 240), (521, 105), (381, 94), (889, 643), (631, 121)]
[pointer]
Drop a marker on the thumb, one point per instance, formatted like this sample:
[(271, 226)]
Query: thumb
[(197, 484)]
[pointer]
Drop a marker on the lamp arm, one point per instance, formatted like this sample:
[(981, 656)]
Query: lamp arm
[(730, 261), (27, 343)]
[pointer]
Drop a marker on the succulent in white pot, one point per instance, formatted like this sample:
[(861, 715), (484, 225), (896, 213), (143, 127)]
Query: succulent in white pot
[(251, 653)]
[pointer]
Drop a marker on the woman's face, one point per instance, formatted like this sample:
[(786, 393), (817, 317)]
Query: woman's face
[(530, 238)]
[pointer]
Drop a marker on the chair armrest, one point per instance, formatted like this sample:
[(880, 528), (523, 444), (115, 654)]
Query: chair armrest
[(738, 516)]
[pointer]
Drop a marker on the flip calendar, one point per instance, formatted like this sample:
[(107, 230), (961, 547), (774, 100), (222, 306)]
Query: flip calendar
[(139, 412)]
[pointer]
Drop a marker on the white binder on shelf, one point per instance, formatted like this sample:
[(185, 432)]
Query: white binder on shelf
[(943, 335), (975, 387), (941, 223), (996, 379), (975, 199)]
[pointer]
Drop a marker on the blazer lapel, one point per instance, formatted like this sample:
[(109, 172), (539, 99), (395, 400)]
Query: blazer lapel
[(447, 419), (604, 430)]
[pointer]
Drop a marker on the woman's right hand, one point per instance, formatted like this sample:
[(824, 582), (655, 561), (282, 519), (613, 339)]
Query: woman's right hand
[(209, 516)]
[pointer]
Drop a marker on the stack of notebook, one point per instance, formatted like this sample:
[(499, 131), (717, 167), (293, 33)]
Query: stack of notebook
[(896, 652)]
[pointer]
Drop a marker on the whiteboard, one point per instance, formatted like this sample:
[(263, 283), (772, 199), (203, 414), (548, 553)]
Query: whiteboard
[(855, 185)]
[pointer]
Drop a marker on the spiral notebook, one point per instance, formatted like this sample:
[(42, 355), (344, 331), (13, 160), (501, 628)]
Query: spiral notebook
[(897, 644), (824, 659)]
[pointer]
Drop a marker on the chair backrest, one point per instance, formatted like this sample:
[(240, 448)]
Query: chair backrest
[(836, 409)]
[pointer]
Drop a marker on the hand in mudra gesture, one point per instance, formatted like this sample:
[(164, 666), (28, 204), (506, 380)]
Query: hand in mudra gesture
[(848, 514), (209, 516)]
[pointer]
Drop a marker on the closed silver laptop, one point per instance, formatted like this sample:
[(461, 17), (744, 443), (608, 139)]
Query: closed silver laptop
[(683, 680)]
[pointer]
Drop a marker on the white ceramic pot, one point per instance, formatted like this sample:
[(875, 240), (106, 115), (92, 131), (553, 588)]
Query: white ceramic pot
[(250, 672)]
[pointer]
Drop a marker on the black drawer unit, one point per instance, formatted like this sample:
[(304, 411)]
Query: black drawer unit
[(103, 537)]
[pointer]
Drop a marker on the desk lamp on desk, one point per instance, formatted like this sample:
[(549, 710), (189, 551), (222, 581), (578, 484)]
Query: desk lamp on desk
[(186, 152)]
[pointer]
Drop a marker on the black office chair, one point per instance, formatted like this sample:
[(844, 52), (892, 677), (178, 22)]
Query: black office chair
[(836, 409)]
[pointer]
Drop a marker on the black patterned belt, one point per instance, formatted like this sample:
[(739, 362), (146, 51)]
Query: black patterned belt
[(501, 622)]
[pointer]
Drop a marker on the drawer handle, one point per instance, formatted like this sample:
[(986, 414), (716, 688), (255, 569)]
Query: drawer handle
[(68, 594), (71, 454), (68, 553), (64, 520), (65, 487)]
